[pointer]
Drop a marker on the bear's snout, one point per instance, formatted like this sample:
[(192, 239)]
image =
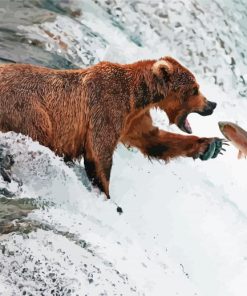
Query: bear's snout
[(208, 109), (212, 105)]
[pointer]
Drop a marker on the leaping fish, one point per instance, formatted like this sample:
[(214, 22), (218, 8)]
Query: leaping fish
[(236, 135)]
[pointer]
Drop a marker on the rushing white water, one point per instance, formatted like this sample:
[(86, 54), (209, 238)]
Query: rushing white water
[(184, 226)]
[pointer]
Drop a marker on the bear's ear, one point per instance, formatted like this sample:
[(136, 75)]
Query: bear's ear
[(163, 70)]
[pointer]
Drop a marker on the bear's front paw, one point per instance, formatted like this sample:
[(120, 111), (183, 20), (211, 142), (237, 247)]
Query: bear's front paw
[(210, 148)]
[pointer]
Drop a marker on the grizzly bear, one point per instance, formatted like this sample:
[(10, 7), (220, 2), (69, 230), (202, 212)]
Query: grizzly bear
[(87, 112)]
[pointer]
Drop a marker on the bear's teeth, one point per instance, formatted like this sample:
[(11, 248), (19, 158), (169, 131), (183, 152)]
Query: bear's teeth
[(187, 126)]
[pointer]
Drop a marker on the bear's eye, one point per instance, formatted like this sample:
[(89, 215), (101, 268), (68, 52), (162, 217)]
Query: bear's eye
[(195, 91)]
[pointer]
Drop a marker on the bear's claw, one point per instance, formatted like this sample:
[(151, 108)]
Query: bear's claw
[(214, 148)]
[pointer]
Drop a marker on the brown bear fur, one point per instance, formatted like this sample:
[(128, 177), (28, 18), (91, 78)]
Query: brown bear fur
[(87, 112)]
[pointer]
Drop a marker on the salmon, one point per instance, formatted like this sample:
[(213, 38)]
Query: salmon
[(236, 135)]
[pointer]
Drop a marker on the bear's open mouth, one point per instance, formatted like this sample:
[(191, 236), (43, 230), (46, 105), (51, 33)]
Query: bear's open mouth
[(184, 125)]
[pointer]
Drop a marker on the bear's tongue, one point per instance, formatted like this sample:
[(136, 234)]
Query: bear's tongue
[(187, 126)]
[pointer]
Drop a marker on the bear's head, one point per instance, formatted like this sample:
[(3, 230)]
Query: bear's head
[(181, 92)]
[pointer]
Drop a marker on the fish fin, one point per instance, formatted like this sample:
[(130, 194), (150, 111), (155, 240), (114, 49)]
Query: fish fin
[(241, 154)]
